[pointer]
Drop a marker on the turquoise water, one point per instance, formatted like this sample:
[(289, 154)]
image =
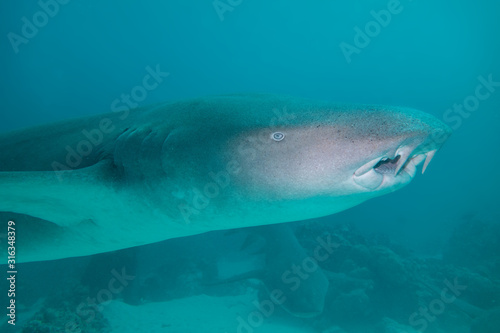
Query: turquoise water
[(436, 56)]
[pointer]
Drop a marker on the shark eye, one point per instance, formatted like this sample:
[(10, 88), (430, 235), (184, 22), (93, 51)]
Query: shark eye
[(277, 136)]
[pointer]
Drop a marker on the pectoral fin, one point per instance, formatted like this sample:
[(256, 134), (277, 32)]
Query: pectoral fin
[(65, 198)]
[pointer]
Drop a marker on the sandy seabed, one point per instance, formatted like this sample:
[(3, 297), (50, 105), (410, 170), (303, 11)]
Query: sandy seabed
[(196, 314)]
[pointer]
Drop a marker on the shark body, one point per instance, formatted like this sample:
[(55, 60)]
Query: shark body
[(118, 180)]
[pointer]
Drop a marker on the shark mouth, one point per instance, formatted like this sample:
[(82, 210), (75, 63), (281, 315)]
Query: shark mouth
[(371, 175)]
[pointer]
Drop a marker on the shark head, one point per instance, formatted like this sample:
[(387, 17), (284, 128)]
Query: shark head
[(354, 152)]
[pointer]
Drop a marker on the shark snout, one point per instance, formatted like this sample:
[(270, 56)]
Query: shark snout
[(398, 165), (403, 164)]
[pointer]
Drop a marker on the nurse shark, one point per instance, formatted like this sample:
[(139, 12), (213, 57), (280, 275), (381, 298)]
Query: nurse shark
[(124, 179)]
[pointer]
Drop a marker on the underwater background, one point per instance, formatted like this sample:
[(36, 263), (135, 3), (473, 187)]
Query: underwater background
[(397, 252)]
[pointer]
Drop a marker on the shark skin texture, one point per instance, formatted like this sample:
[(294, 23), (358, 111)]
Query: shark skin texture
[(117, 180)]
